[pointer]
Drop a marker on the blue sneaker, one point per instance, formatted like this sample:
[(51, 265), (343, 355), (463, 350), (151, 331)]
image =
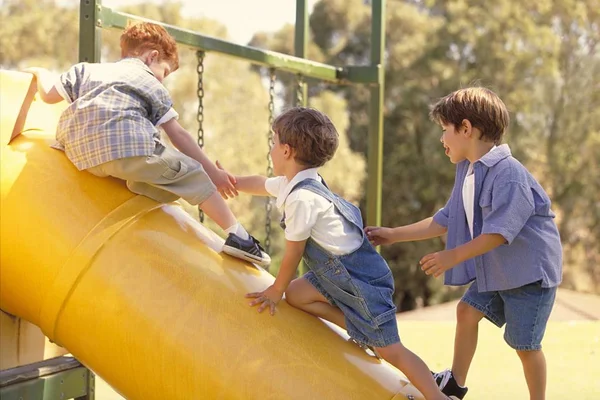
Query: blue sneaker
[(246, 249)]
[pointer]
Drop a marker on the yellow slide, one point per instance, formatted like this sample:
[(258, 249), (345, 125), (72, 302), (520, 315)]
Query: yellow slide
[(139, 292)]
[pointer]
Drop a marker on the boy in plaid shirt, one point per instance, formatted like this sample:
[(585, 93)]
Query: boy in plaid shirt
[(110, 128)]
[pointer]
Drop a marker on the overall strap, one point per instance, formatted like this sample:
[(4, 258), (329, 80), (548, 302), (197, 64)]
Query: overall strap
[(348, 210)]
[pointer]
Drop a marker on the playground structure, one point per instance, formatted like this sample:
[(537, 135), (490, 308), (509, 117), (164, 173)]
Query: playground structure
[(137, 290)]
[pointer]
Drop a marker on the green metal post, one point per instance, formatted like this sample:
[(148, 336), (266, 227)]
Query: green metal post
[(375, 152), (301, 50), (301, 44), (90, 30)]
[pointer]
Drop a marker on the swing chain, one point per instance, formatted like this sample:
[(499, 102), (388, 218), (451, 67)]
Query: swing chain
[(300, 90), (200, 116), (269, 203)]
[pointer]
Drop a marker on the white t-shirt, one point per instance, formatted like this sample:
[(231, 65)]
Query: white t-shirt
[(308, 215), (468, 192)]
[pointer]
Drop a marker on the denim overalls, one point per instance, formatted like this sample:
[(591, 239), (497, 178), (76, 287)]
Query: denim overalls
[(360, 283)]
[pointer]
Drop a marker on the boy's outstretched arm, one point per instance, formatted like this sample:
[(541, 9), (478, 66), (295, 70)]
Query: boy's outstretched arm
[(273, 294), (45, 85), (252, 184), (441, 261), (187, 145), (425, 229)]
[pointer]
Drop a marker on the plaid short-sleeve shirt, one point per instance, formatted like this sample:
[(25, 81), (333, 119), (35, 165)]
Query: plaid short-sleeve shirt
[(114, 111)]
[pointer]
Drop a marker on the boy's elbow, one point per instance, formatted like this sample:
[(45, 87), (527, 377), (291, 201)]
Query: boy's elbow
[(51, 97)]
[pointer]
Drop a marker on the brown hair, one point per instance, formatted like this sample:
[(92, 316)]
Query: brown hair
[(137, 38), (482, 107), (310, 133)]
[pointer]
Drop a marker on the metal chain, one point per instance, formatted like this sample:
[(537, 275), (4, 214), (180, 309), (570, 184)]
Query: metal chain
[(269, 203), (200, 115), (299, 90)]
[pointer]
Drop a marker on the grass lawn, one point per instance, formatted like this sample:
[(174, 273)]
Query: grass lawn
[(572, 352)]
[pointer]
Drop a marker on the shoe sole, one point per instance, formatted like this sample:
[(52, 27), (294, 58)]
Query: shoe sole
[(232, 251)]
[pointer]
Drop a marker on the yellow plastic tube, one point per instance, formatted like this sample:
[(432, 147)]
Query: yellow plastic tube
[(139, 293)]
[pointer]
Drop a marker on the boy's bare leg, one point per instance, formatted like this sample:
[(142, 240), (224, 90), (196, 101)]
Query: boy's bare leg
[(465, 340), (534, 366), (216, 208), (414, 368), (303, 295)]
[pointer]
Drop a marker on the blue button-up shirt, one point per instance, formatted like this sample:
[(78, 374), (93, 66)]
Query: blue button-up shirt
[(114, 112), (509, 202)]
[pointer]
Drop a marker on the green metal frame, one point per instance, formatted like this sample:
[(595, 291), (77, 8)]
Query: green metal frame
[(94, 17), (53, 379), (301, 44)]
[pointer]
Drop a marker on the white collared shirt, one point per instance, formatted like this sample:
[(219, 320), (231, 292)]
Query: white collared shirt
[(308, 215)]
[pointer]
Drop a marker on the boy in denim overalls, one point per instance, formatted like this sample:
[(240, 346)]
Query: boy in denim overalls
[(110, 128), (349, 283), (501, 234)]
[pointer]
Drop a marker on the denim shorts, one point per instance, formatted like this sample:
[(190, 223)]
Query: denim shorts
[(525, 311), (368, 308)]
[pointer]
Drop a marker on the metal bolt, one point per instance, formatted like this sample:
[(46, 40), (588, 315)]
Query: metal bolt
[(99, 22)]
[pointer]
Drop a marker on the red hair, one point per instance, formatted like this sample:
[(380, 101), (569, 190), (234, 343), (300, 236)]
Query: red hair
[(138, 38)]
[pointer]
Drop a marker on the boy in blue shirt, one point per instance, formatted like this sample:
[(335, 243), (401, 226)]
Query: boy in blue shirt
[(110, 128), (501, 235)]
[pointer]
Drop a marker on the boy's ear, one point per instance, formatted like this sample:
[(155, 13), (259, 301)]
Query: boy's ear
[(466, 128), (151, 56), (287, 151)]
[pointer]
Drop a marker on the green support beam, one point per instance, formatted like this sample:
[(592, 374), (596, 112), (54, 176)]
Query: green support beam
[(94, 17), (56, 378), (312, 69), (375, 152), (90, 30), (301, 47), (301, 50), (365, 74)]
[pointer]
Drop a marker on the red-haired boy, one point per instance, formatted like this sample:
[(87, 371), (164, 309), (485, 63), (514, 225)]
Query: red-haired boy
[(110, 128)]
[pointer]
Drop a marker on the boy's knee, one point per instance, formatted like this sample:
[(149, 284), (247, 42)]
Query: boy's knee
[(528, 354), (467, 314), (393, 353), (293, 293)]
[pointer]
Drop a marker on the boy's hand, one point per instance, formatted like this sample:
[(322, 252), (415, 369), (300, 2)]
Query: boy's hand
[(379, 235), (438, 263), (225, 183), (267, 298)]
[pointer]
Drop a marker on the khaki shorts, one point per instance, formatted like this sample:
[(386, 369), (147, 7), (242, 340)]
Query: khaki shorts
[(165, 176)]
